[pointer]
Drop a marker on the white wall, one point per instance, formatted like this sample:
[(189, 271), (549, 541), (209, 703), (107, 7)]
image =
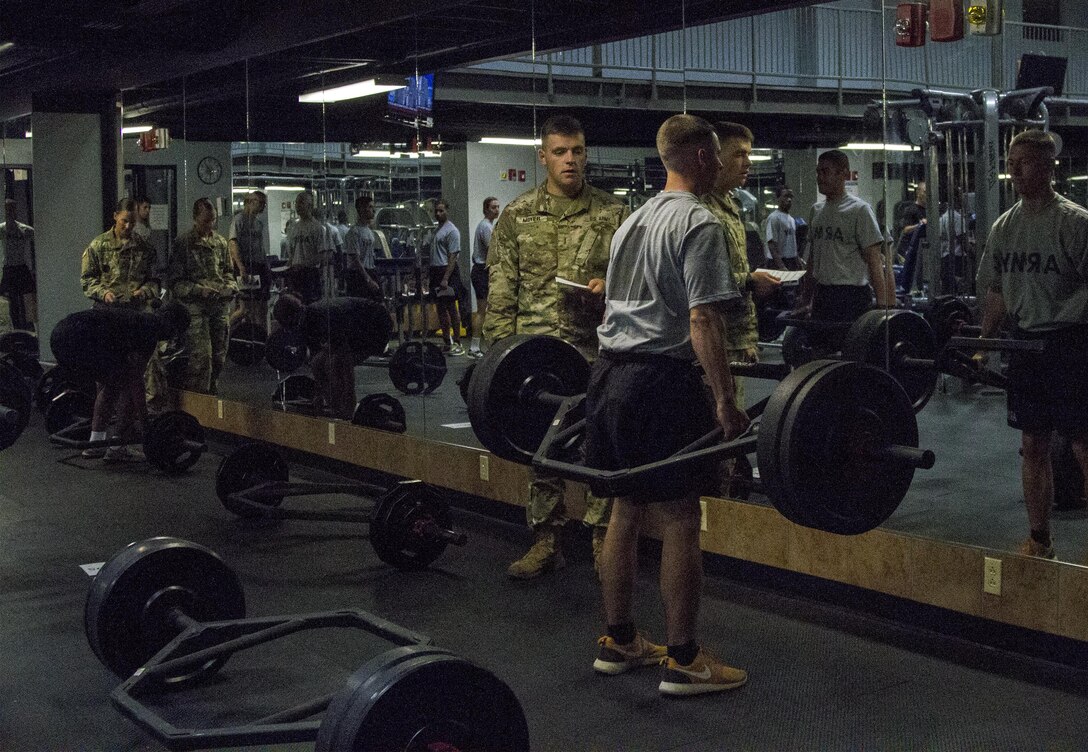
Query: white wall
[(18, 152), (67, 211)]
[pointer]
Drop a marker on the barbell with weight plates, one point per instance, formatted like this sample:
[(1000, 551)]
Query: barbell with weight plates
[(837, 442), (166, 612), (410, 523), (417, 367), (172, 443), (15, 405), (381, 411), (57, 379), (25, 363), (286, 350)]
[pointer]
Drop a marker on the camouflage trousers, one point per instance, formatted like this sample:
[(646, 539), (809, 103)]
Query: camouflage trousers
[(546, 505), (156, 389), (206, 346)]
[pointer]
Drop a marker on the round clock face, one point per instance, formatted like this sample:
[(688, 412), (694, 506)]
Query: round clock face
[(209, 170)]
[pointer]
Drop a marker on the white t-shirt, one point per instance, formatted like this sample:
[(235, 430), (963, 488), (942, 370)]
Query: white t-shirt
[(666, 258), (252, 237), (838, 231), (306, 239), (1040, 264), (783, 231), (359, 241)]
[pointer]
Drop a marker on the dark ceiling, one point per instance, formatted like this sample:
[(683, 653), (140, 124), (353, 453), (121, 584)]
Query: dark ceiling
[(206, 69)]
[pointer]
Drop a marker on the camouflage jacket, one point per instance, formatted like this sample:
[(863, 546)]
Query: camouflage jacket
[(741, 328), (120, 267), (531, 246), (198, 264)]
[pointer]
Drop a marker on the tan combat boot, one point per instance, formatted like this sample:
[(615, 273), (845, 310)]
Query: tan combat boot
[(543, 556), (598, 547)]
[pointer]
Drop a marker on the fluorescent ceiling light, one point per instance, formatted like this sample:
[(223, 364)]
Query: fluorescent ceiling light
[(128, 130), (6, 46), (510, 141), (242, 189), (285, 188), (866, 146), (759, 157), (29, 134), (620, 191), (372, 154), (1078, 177), (350, 91)]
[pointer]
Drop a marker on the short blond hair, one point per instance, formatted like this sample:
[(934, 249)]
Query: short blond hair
[(680, 137), (1039, 140)]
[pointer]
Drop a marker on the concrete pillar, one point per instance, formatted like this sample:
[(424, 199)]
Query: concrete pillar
[(77, 181)]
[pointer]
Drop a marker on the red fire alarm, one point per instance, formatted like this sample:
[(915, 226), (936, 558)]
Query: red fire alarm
[(910, 25)]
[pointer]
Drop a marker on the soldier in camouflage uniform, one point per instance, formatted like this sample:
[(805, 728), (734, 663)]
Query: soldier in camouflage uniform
[(741, 332), (200, 276), (118, 271), (562, 228)]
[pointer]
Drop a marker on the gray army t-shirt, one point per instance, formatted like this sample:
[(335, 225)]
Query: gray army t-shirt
[(838, 231), (668, 257), (1040, 264), (447, 241)]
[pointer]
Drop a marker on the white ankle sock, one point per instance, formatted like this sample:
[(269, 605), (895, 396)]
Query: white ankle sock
[(98, 435)]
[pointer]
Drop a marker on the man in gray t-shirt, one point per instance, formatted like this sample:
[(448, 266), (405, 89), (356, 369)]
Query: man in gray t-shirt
[(481, 244), (669, 283), (846, 264), (782, 233), (360, 274), (445, 278), (1038, 254)]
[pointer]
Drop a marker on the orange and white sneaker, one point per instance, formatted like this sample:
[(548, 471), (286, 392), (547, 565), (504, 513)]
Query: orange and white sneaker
[(613, 658), (705, 674)]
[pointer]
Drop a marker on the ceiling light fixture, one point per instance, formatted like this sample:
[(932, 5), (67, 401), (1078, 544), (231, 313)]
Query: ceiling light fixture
[(510, 141), (356, 90), (129, 130), (869, 146)]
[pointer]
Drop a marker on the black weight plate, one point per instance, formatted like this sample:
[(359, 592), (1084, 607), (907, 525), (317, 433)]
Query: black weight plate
[(68, 408), (247, 466), (399, 521), (56, 380), (246, 346), (848, 408), (165, 441), (417, 368), (880, 338), (796, 347), (768, 446), (417, 699), (382, 411), (25, 363), (126, 616), (20, 342), (297, 387), (15, 395), (501, 410), (946, 318), (466, 378), (286, 350)]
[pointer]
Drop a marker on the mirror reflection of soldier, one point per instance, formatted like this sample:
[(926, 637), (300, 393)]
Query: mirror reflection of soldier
[(561, 228), (200, 277), (17, 258), (118, 271)]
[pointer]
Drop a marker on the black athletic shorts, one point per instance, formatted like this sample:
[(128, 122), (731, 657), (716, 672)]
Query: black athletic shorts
[(454, 283), (841, 302), (265, 291), (99, 342), (479, 280), (1048, 391), (641, 409), (17, 280)]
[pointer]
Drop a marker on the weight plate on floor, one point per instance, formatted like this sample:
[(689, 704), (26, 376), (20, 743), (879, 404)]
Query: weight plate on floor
[(248, 466), (462, 384), (796, 347), (421, 699), (247, 342), (286, 350), (67, 409), (819, 467), (15, 396), (169, 441), (127, 614), (946, 317), (401, 525), (881, 338), (25, 363), (417, 368), (19, 341), (381, 411), (502, 408), (56, 380)]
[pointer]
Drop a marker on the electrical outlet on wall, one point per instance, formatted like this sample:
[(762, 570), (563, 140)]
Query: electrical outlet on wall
[(991, 575)]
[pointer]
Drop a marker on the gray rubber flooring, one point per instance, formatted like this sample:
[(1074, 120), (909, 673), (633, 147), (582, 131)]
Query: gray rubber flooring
[(822, 677)]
